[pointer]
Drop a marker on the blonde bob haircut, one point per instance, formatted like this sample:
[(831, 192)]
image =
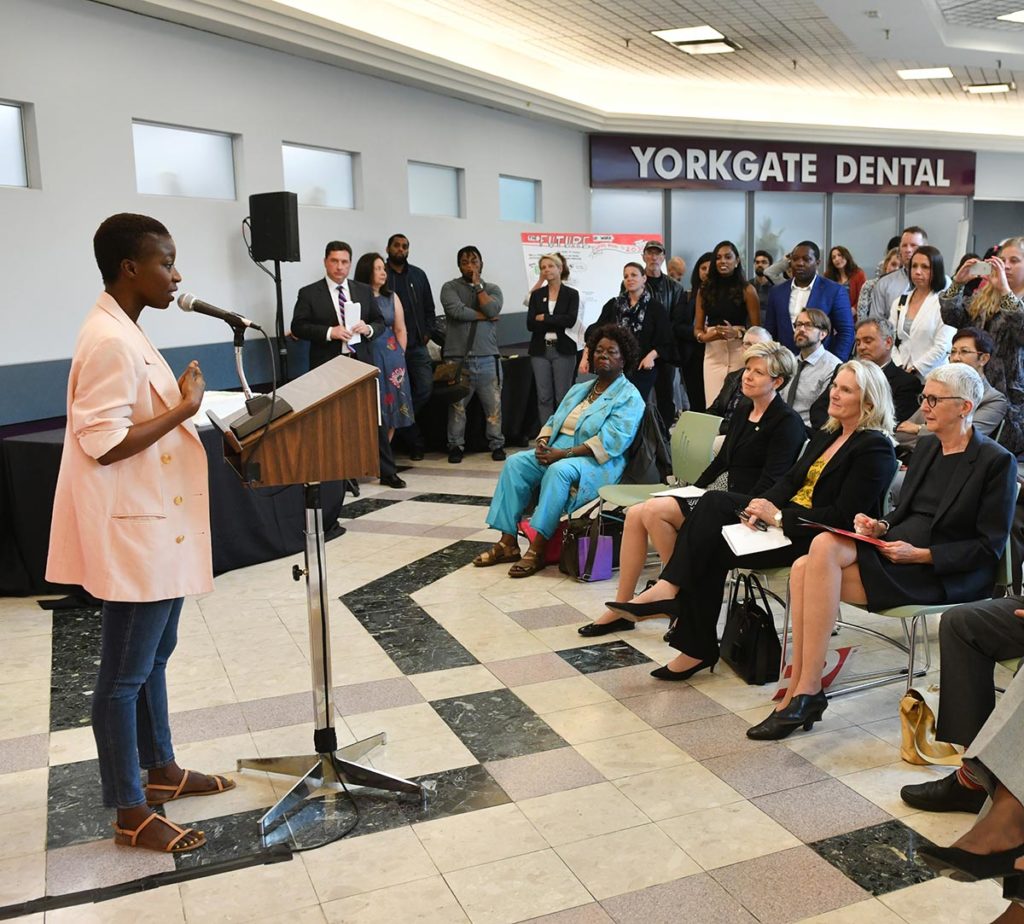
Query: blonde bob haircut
[(778, 359), (876, 410)]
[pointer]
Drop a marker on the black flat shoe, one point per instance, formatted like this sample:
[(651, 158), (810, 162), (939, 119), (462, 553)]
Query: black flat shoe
[(945, 795), (964, 866), (641, 611), (804, 710), (666, 673), (392, 481), (604, 628)]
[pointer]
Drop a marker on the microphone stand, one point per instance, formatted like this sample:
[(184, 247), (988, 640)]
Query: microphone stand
[(239, 366), (260, 409)]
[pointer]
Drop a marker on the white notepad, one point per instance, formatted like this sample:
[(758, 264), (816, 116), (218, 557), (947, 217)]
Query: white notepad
[(746, 541), (689, 491)]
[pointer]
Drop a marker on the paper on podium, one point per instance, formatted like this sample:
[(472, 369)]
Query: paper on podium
[(689, 491), (353, 315), (746, 541), (222, 403)]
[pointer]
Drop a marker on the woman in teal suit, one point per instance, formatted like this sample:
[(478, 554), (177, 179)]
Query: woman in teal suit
[(582, 447)]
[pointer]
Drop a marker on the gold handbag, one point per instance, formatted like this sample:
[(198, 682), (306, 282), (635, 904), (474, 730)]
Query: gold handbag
[(917, 725)]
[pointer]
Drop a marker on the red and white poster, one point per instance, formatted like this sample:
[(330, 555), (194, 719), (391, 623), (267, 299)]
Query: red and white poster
[(595, 265)]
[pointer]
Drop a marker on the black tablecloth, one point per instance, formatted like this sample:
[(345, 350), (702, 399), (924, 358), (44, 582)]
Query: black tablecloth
[(247, 526)]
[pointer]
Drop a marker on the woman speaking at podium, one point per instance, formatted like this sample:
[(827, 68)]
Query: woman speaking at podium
[(131, 524)]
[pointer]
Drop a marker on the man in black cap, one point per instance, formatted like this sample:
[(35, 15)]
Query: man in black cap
[(670, 293)]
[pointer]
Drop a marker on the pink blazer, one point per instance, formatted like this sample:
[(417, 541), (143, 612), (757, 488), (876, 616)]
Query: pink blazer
[(137, 530)]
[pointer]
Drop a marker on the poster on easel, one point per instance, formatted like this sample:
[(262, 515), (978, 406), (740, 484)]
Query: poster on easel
[(595, 266)]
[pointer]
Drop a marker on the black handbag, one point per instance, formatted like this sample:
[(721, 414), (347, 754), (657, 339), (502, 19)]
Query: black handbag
[(750, 645)]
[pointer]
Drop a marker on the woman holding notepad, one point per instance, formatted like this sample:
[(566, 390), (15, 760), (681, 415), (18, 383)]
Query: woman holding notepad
[(846, 468), (764, 438), (940, 545)]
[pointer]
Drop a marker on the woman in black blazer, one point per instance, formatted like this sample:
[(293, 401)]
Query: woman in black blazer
[(645, 318), (551, 313), (846, 467), (942, 543), (763, 440)]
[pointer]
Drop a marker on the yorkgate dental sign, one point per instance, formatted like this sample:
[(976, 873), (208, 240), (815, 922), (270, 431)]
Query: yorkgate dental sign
[(623, 161)]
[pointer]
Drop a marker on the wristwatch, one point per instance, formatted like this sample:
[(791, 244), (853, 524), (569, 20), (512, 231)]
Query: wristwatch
[(778, 518), (479, 287)]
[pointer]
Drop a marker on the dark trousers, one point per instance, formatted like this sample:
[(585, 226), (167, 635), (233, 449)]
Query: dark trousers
[(644, 379), (692, 372), (700, 563), (664, 393), (972, 638)]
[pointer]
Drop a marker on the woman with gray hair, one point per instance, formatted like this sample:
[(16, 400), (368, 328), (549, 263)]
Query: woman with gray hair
[(940, 545), (764, 438)]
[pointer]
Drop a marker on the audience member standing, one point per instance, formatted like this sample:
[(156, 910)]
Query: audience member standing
[(842, 268), (893, 285), (726, 306), (922, 340), (670, 293), (551, 312), (761, 281), (412, 287), (690, 349), (472, 307), (865, 301), (676, 269)]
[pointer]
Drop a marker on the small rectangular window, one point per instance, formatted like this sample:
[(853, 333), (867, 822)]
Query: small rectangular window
[(519, 199), (188, 162), (435, 190), (12, 147), (319, 176)]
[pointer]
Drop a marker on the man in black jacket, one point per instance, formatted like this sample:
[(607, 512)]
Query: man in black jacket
[(339, 317), (669, 292)]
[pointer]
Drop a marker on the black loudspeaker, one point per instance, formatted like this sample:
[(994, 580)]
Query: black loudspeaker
[(274, 218)]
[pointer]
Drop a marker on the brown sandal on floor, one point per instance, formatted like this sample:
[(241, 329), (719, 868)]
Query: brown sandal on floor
[(497, 554), (178, 791), (531, 563), (183, 841)]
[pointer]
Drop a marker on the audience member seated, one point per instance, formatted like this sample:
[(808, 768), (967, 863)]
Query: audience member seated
[(846, 467), (873, 344), (732, 390), (815, 368), (994, 847), (809, 290), (922, 339), (581, 447), (764, 439), (972, 347), (942, 542)]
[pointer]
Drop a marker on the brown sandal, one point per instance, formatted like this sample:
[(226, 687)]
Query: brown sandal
[(531, 563), (128, 837), (178, 791), (497, 554)]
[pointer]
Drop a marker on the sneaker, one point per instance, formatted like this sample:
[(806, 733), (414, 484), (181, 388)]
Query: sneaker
[(454, 455), (945, 795), (499, 455)]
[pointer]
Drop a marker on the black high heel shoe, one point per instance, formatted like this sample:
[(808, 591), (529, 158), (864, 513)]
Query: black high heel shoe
[(804, 710), (641, 611), (1013, 887), (964, 866), (666, 673)]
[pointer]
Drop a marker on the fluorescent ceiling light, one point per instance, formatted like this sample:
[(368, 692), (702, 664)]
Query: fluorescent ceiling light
[(989, 87), (926, 73), (1012, 17), (693, 34), (709, 48)]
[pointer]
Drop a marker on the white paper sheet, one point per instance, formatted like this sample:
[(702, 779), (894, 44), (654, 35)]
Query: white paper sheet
[(746, 541), (222, 403), (689, 491), (353, 315)]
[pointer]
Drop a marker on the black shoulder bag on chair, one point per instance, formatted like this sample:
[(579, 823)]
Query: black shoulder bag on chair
[(750, 645), (451, 380)]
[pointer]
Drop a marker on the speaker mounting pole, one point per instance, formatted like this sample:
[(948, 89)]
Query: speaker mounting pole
[(282, 344)]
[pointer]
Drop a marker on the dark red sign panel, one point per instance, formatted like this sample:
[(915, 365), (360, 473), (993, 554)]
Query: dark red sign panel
[(717, 163)]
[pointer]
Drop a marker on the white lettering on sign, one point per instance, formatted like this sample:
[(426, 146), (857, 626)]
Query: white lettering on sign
[(643, 159), (846, 168), (888, 172), (809, 169), (925, 174), (660, 163), (908, 165), (745, 166), (791, 160), (771, 169), (940, 179), (696, 160), (718, 169)]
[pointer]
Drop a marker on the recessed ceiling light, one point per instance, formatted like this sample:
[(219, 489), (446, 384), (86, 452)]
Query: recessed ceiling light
[(722, 47), (926, 73), (989, 87), (1012, 17), (692, 34)]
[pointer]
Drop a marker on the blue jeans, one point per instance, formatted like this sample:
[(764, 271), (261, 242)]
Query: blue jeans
[(485, 378), (129, 707)]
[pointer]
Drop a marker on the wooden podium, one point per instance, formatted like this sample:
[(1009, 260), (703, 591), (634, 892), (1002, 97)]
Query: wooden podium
[(329, 435)]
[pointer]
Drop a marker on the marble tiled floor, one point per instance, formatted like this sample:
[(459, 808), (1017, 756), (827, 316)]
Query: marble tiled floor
[(567, 784)]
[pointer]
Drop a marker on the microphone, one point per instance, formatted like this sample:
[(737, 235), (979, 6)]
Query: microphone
[(188, 302)]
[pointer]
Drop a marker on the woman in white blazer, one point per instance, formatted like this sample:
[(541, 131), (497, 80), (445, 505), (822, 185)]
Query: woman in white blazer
[(922, 341)]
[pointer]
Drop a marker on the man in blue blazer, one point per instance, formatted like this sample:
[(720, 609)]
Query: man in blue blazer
[(809, 290)]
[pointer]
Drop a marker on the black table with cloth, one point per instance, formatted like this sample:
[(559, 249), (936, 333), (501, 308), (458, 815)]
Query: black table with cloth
[(247, 526)]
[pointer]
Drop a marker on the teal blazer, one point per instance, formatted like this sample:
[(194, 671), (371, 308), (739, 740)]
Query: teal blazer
[(608, 426)]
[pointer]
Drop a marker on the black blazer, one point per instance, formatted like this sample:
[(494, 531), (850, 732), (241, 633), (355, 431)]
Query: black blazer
[(655, 332), (905, 387), (852, 482), (567, 309), (315, 312), (756, 458), (972, 521)]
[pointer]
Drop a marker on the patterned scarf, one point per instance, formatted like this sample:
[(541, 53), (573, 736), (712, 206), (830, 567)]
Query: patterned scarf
[(632, 316)]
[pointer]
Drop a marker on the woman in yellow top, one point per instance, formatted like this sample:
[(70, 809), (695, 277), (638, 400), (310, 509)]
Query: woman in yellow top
[(845, 469)]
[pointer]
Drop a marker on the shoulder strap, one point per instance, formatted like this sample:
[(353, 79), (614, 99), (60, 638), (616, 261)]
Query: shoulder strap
[(469, 346)]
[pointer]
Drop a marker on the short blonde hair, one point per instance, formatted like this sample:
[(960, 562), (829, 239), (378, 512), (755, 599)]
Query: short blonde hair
[(555, 258), (876, 410), (777, 358)]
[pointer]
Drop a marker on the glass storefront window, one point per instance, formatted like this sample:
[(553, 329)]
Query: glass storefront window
[(782, 219), (863, 225), (940, 216), (702, 218)]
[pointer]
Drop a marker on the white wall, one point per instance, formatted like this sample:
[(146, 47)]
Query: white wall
[(89, 70), (999, 176)]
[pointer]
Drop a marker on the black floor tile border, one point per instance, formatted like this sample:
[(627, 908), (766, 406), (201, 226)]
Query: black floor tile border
[(589, 659), (359, 508)]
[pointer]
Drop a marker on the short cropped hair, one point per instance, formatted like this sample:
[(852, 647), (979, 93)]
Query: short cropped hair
[(123, 237), (876, 410), (765, 254), (983, 341), (628, 346), (779, 359), (332, 246), (884, 325), (469, 248), (763, 335), (397, 234), (815, 249), (818, 318), (962, 381), (915, 229)]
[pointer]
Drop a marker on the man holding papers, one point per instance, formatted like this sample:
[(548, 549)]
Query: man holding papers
[(845, 469)]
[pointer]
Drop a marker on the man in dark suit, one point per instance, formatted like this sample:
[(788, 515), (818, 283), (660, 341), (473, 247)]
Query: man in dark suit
[(807, 289), (325, 315)]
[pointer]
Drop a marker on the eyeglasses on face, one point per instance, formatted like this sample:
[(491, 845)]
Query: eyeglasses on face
[(932, 400), (959, 352)]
